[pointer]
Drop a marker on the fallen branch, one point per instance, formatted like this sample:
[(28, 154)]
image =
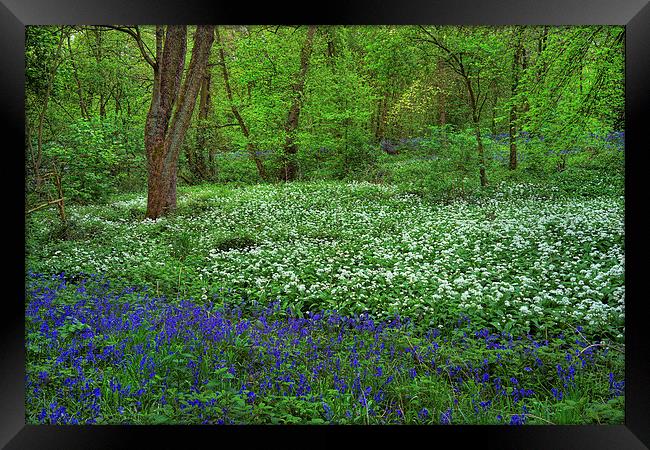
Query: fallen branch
[(44, 205)]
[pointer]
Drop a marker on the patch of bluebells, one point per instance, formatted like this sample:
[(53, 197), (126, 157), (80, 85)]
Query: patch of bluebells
[(611, 141), (102, 354), (519, 419), (413, 143), (616, 388)]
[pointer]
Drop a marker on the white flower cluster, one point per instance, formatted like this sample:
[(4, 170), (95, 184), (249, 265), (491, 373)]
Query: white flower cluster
[(362, 246)]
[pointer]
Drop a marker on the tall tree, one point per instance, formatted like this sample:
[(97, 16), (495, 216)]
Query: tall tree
[(290, 147), (235, 110), (472, 56), (171, 108), (442, 100), (38, 158), (82, 103), (195, 153), (512, 129)]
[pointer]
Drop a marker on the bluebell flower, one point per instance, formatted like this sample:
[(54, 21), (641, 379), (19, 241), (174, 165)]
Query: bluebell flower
[(616, 388), (328, 411), (445, 417)]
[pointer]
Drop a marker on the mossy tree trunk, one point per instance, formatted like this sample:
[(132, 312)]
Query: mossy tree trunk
[(171, 109)]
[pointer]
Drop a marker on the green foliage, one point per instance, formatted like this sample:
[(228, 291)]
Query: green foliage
[(40, 55), (89, 153), (355, 159), (575, 85)]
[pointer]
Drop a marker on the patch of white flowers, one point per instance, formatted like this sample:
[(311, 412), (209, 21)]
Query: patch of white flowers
[(513, 258)]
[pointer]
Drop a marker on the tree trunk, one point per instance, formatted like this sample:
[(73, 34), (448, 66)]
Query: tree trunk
[(381, 118), (512, 137), (82, 103), (477, 128), (541, 46), (171, 110), (196, 154), (481, 157), (98, 58), (41, 119), (290, 146), (512, 134), (442, 100), (240, 120)]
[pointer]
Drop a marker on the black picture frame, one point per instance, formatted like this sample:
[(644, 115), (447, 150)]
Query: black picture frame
[(16, 14)]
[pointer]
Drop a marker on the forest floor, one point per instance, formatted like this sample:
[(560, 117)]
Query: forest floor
[(330, 302)]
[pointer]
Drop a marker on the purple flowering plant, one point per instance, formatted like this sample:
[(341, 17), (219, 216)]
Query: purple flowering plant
[(100, 353)]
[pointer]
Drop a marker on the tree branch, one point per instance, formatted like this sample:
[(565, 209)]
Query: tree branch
[(148, 56), (44, 205)]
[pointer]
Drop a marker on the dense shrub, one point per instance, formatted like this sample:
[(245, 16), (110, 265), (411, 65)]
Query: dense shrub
[(94, 158)]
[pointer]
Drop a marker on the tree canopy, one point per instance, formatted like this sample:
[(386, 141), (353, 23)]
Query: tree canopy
[(296, 102)]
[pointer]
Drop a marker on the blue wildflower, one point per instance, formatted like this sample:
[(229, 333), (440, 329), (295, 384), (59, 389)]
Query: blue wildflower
[(445, 417)]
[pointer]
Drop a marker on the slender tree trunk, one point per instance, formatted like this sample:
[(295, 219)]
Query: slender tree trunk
[(331, 48), (98, 59), (250, 147), (512, 137), (102, 106), (82, 103), (28, 142), (477, 128), (204, 112), (541, 46), (442, 101), (196, 154), (381, 119), (290, 146), (171, 110), (118, 101), (512, 134), (442, 98), (481, 157), (41, 119)]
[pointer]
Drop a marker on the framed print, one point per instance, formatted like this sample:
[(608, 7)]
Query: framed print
[(388, 220)]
